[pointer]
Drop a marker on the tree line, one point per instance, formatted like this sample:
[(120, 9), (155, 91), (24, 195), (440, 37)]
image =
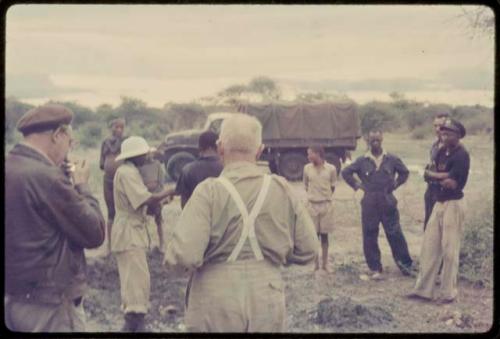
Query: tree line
[(396, 114)]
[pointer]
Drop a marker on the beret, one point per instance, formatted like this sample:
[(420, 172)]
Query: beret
[(44, 118), (454, 126)]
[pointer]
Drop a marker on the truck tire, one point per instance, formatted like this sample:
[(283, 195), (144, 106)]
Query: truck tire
[(334, 159), (291, 165), (176, 163)]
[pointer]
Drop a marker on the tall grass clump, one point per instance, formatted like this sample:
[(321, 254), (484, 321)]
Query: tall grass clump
[(476, 253)]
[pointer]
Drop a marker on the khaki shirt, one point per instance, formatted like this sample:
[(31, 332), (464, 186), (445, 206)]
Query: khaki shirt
[(129, 227), (210, 224), (319, 181)]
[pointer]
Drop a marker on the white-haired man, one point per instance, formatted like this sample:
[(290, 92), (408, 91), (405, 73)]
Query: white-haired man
[(235, 232)]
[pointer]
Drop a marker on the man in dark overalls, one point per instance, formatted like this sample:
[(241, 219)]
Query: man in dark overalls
[(433, 185), (377, 171)]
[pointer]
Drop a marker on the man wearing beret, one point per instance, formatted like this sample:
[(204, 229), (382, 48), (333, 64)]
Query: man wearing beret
[(445, 226), (50, 217)]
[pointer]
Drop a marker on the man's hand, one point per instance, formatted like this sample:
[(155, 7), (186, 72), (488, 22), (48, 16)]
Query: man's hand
[(360, 186), (449, 184), (81, 173)]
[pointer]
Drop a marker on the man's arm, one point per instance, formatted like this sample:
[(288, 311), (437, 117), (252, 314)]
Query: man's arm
[(436, 175), (74, 211), (333, 178), (458, 173), (101, 159), (305, 179), (186, 249), (305, 240), (348, 175), (402, 172)]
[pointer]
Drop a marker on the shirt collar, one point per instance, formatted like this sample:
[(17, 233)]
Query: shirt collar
[(39, 151), (371, 156), (242, 169)]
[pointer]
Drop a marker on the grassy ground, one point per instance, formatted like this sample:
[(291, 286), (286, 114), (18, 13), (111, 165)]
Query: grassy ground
[(365, 306)]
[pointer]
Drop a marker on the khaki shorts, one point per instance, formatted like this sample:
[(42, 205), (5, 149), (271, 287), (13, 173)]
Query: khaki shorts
[(322, 215), (241, 296), (134, 280)]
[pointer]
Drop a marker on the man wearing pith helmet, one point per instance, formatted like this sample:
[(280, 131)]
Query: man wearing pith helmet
[(50, 217), (234, 234), (445, 226), (129, 237)]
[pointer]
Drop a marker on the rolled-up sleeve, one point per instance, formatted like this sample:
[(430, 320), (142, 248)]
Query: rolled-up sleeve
[(190, 238), (136, 191)]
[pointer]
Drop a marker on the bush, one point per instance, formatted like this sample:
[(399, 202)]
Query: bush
[(476, 252), (90, 134), (421, 132)]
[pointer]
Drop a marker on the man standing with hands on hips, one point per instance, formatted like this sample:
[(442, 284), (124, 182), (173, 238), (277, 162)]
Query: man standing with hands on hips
[(377, 171), (50, 217)]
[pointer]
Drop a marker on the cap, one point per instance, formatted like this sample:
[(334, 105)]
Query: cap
[(454, 126), (44, 118)]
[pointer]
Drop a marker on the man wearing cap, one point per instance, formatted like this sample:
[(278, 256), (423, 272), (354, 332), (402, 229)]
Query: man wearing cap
[(234, 234), (433, 185), (445, 226), (129, 237), (50, 217), (110, 148), (207, 165)]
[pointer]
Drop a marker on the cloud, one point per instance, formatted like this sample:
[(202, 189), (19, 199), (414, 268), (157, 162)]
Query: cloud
[(36, 85)]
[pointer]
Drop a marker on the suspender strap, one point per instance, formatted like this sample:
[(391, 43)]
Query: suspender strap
[(248, 230)]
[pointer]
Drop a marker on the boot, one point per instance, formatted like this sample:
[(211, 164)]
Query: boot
[(134, 322)]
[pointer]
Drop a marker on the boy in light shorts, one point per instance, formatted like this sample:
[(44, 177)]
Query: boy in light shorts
[(319, 180)]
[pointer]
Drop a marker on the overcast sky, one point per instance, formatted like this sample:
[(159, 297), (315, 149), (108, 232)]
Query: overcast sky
[(161, 53)]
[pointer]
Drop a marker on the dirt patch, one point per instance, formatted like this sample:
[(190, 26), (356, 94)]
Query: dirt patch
[(102, 304)]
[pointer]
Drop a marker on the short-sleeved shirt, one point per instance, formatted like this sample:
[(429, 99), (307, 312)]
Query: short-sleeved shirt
[(211, 224), (195, 172), (456, 163), (129, 227), (318, 181)]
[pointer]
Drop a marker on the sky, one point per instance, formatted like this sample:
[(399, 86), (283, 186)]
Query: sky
[(94, 54)]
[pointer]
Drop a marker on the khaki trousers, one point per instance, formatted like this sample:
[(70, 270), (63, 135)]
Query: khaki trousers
[(441, 243), (240, 296), (24, 316), (134, 280)]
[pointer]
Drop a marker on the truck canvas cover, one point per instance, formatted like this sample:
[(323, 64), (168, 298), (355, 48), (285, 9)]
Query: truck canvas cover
[(327, 120)]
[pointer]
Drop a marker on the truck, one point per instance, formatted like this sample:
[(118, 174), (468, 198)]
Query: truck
[(288, 129)]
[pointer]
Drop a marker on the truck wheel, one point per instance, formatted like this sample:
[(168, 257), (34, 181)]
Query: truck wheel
[(291, 165), (177, 162), (334, 159)]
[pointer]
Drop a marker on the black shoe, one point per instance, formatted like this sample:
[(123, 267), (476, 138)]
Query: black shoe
[(407, 270), (134, 322), (415, 296)]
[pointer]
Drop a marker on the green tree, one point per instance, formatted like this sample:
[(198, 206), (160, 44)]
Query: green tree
[(266, 87)]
